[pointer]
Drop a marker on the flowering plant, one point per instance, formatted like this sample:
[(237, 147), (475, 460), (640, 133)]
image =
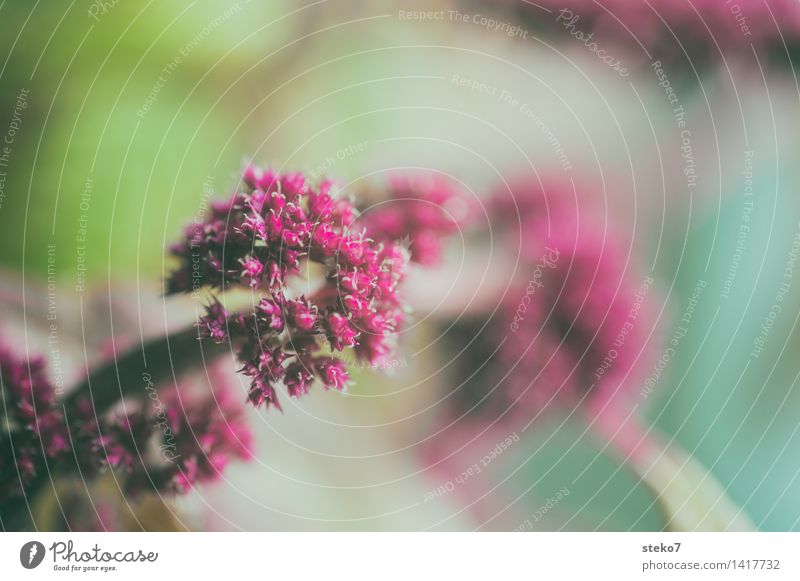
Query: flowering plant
[(274, 231)]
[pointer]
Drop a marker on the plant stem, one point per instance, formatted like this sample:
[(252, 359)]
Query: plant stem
[(159, 359), (687, 494)]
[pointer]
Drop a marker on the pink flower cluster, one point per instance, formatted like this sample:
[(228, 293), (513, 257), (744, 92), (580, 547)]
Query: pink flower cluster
[(699, 25), (169, 448), (208, 433), (35, 425), (578, 324), (183, 440), (263, 236), (424, 209)]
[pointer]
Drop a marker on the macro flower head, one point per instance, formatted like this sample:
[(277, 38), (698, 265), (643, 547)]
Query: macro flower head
[(268, 233)]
